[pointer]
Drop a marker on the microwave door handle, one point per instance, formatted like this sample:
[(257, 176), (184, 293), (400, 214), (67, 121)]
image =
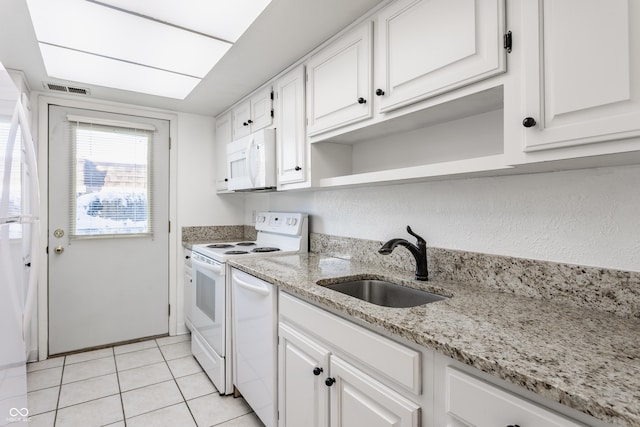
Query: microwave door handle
[(251, 166)]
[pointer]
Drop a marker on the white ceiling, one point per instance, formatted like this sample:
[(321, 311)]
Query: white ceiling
[(282, 34)]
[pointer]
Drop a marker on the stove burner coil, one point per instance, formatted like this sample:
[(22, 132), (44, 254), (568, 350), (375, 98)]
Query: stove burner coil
[(236, 252), (245, 244), (220, 246), (265, 249)]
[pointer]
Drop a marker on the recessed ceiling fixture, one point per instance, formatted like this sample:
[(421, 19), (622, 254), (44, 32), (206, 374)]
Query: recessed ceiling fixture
[(159, 47)]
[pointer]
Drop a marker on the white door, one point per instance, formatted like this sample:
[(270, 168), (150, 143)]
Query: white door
[(359, 400), (108, 228), (585, 92), (261, 111), (223, 137), (291, 138), (427, 47), (339, 82), (304, 366), (241, 114)]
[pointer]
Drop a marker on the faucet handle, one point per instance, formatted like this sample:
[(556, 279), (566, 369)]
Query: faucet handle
[(421, 241)]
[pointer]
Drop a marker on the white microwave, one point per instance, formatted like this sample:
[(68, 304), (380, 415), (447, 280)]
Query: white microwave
[(251, 162)]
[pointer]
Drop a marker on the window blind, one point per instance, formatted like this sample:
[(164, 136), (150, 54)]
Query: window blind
[(111, 189)]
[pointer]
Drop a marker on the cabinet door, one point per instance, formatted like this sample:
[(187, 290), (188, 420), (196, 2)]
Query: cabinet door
[(261, 109), (339, 82), (188, 286), (290, 135), (581, 71), (304, 366), (241, 114), (471, 402), (427, 47), (223, 137), (359, 400)]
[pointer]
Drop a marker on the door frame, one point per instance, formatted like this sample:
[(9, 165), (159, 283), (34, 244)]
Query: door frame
[(42, 118)]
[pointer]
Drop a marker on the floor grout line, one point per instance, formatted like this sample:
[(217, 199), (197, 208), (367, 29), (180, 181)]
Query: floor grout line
[(184, 400), (120, 392), (115, 362)]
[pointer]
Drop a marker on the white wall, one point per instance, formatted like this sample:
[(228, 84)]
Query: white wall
[(588, 217), (196, 195)]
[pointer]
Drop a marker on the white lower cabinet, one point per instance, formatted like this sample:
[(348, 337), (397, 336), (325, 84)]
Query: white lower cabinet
[(188, 286), (319, 387), (470, 402), (303, 366), (357, 399)]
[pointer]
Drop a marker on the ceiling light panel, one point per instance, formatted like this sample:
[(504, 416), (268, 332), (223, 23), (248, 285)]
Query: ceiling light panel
[(92, 28), (224, 19), (107, 72)]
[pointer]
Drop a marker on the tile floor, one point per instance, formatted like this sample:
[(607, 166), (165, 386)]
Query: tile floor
[(149, 383)]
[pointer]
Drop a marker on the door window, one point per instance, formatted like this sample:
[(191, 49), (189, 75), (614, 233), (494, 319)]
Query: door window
[(111, 186)]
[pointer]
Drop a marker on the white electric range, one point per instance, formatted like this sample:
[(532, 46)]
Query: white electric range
[(278, 233)]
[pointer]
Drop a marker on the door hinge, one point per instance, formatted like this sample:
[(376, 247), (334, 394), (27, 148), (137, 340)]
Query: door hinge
[(169, 226), (169, 143), (272, 95), (47, 250), (508, 40), (169, 310), (272, 112)]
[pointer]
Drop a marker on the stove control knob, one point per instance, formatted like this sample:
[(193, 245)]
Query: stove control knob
[(294, 221)]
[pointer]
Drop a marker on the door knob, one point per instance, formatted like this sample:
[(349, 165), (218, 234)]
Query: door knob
[(362, 101), (58, 249), (529, 122), (298, 168), (329, 381), (379, 92), (317, 371)]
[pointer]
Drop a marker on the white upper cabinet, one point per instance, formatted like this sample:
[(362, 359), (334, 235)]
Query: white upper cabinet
[(581, 73), (253, 114), (339, 82), (290, 124), (428, 47), (223, 137)]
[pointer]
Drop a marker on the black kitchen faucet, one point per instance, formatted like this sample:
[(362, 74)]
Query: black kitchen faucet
[(419, 252)]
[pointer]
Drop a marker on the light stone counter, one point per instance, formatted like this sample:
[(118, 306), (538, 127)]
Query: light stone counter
[(586, 359)]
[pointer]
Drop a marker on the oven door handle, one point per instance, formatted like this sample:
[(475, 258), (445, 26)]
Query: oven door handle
[(258, 289), (214, 268)]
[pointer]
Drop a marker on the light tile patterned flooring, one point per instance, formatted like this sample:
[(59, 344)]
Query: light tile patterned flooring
[(145, 384)]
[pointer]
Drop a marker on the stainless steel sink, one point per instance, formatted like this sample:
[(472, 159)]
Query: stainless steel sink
[(387, 294)]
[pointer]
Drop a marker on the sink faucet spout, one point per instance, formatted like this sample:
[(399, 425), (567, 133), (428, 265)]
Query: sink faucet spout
[(419, 252)]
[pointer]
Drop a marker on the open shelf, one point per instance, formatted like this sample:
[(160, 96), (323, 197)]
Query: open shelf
[(463, 136)]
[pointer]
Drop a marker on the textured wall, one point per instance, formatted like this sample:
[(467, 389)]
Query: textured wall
[(197, 201), (588, 217)]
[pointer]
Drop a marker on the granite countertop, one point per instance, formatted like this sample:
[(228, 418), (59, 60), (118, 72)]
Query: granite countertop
[(586, 359)]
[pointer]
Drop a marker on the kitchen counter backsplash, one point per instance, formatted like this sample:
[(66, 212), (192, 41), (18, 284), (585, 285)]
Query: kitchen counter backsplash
[(205, 234), (613, 291)]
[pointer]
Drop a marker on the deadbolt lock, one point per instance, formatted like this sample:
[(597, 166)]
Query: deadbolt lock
[(58, 233), (58, 249)]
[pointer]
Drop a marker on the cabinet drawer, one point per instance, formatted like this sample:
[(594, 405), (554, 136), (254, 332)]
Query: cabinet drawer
[(473, 402), (397, 363)]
